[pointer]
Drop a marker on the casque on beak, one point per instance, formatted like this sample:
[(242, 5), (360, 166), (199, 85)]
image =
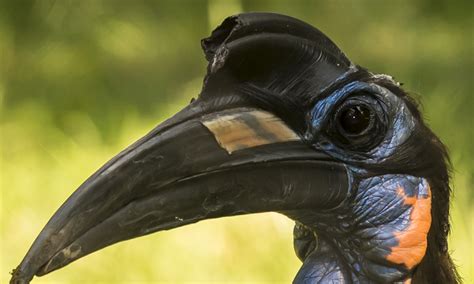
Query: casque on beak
[(217, 157)]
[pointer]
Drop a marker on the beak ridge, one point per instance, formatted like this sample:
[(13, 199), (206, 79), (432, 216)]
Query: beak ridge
[(227, 163)]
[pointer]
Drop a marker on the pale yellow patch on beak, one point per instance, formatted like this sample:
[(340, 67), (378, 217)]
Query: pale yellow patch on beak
[(246, 128)]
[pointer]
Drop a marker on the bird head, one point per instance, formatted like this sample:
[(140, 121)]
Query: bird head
[(285, 122)]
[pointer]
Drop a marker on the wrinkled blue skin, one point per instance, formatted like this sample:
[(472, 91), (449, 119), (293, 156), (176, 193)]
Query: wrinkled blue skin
[(374, 212), (368, 222), (401, 123)]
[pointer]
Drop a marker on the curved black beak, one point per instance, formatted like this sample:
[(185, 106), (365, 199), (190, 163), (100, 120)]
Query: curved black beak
[(216, 157), (231, 162)]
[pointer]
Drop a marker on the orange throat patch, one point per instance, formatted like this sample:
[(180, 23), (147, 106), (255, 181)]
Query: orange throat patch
[(413, 241)]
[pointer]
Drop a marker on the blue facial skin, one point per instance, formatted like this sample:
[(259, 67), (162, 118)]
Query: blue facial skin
[(400, 123), (367, 228), (381, 215), (375, 213)]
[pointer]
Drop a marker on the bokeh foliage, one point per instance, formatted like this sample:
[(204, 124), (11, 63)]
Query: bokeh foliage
[(81, 79)]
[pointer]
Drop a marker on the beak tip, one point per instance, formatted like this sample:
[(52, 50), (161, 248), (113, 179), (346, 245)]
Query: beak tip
[(19, 276), (25, 272)]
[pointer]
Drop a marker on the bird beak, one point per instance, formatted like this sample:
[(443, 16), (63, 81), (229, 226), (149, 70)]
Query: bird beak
[(225, 163)]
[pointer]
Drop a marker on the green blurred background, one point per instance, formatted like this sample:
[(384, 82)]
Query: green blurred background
[(80, 80)]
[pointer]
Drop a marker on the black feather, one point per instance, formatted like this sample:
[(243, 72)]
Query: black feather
[(424, 155)]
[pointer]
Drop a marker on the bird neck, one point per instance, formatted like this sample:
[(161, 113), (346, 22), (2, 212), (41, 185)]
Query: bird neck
[(382, 233)]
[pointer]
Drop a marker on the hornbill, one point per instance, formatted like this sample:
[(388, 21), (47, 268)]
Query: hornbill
[(285, 122)]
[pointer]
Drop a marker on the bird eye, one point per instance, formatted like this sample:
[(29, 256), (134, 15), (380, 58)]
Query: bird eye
[(354, 119), (358, 123)]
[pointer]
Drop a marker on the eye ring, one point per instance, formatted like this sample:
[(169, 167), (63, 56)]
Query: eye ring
[(358, 122)]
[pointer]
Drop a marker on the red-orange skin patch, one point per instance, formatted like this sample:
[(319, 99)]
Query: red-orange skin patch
[(412, 242)]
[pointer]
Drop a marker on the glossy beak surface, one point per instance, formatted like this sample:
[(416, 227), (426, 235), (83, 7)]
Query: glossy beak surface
[(218, 156), (225, 163)]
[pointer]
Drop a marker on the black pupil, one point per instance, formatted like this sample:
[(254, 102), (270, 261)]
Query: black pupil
[(355, 119)]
